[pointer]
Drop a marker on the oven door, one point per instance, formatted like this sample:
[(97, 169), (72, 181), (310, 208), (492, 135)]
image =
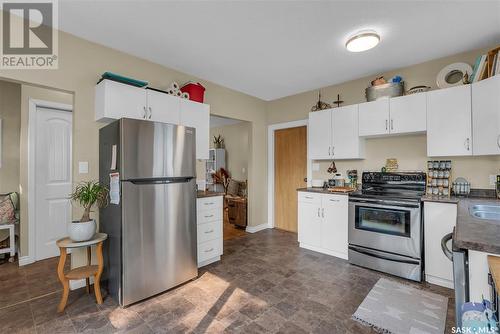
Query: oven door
[(386, 225)]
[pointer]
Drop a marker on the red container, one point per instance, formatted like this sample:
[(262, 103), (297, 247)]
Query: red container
[(196, 91)]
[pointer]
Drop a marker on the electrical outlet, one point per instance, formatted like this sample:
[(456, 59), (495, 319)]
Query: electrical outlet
[(493, 180)]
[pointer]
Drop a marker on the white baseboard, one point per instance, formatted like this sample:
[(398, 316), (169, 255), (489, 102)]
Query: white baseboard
[(254, 229), (439, 281), (324, 251), (207, 262), (24, 260), (77, 284)]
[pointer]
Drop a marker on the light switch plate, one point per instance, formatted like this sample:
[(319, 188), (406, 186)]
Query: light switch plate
[(493, 180), (315, 167), (83, 167)]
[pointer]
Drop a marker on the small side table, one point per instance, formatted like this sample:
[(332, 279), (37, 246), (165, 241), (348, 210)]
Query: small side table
[(81, 272)]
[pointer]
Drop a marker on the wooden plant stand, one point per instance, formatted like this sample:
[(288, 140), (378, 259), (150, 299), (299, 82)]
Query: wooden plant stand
[(81, 272)]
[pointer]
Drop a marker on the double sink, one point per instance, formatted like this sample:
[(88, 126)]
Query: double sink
[(485, 211)]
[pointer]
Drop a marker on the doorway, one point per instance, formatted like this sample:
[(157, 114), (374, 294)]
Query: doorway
[(290, 168), (50, 169)]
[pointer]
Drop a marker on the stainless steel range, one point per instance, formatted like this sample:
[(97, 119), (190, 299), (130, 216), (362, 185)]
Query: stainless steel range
[(385, 223)]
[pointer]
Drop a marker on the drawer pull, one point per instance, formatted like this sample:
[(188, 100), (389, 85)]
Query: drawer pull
[(211, 231), (209, 250), (210, 203), (209, 216), (334, 200), (309, 197)]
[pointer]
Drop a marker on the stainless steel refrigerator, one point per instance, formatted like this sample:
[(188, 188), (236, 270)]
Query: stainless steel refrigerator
[(151, 219)]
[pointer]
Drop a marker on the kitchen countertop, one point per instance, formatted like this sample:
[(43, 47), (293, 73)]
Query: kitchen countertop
[(202, 194), (472, 233), (441, 199), (321, 191)]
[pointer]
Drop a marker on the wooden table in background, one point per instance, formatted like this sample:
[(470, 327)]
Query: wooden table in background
[(81, 272)]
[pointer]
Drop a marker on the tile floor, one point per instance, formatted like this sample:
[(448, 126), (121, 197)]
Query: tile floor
[(264, 284)]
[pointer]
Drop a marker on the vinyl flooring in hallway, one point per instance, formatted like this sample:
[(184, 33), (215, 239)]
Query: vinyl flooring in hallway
[(265, 283)]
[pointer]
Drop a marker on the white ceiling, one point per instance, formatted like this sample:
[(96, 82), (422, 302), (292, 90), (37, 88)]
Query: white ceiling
[(271, 49)]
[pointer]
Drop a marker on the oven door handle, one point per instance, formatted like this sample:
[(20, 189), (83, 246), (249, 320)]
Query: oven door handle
[(356, 249), (382, 203)]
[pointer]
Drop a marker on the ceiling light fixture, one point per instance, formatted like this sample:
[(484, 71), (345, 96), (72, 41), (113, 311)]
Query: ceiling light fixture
[(362, 41)]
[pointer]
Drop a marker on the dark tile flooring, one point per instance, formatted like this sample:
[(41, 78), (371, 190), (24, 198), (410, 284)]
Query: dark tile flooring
[(264, 284)]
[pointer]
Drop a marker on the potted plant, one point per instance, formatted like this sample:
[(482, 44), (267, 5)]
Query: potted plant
[(87, 194), (218, 141)]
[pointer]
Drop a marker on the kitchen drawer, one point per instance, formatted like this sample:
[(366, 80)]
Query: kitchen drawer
[(208, 250), (209, 231), (206, 216), (308, 197), (209, 203)]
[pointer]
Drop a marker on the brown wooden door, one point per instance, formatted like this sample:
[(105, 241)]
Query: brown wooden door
[(290, 169)]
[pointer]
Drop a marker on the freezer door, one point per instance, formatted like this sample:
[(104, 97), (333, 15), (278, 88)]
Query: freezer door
[(153, 150), (159, 246)]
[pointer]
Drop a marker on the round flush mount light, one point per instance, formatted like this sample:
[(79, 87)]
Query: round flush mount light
[(362, 41)]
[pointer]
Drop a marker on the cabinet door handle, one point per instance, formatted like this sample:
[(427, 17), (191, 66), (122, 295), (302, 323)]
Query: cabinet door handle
[(386, 125), (329, 149), (209, 250), (318, 212), (498, 141), (392, 124), (467, 144), (145, 112), (323, 212), (150, 112), (333, 151)]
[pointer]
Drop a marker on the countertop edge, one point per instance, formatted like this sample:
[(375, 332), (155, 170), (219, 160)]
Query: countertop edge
[(322, 191), (204, 194)]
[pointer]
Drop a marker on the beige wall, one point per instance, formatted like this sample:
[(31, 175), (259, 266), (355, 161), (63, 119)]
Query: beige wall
[(409, 150), (10, 114), (80, 65), (38, 93), (236, 140)]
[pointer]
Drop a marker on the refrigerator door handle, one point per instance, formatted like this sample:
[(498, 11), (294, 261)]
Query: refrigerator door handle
[(161, 180)]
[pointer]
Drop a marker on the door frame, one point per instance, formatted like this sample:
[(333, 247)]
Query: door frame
[(270, 162), (33, 105)]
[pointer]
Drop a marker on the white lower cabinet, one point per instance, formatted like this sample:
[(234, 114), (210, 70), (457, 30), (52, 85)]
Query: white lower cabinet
[(323, 223), (439, 220), (209, 218)]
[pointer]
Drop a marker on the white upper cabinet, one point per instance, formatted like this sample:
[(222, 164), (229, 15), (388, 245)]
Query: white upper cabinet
[(374, 118), (346, 142), (486, 116), (320, 134), (114, 100), (162, 107), (408, 114), (449, 128), (197, 115)]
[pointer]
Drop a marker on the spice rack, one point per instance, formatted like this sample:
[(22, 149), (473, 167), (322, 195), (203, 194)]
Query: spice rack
[(439, 178)]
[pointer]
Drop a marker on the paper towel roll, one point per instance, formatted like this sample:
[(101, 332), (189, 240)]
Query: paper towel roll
[(174, 85), (185, 95)]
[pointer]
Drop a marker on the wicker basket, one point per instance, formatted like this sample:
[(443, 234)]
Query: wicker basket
[(391, 89)]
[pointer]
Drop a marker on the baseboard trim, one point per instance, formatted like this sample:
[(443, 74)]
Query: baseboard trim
[(25, 260), (324, 251), (439, 281), (254, 229), (80, 283), (207, 262)]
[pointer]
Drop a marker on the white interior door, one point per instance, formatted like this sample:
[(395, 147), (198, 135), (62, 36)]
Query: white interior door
[(53, 130)]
